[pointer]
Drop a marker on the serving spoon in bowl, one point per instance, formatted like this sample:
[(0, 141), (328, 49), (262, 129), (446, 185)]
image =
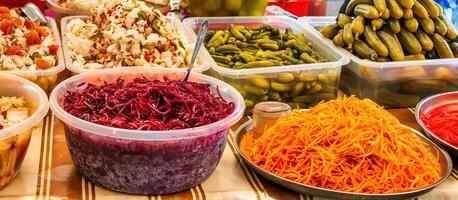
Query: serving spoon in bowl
[(199, 41), (34, 13)]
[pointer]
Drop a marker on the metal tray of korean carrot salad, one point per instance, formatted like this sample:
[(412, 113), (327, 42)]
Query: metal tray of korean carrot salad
[(445, 164)]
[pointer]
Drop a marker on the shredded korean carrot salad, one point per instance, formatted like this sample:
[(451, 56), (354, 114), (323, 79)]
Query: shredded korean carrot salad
[(348, 145)]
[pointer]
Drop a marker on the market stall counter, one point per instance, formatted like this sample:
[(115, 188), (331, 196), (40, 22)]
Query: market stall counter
[(48, 172)]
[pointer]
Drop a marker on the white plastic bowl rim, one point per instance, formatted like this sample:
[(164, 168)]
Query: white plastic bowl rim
[(38, 115), (142, 135)]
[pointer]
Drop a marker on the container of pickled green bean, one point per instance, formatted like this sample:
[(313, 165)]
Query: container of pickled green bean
[(207, 8), (271, 59)]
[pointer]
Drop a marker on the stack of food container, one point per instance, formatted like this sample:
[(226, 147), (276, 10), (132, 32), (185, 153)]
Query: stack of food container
[(133, 125), (168, 121), (186, 129)]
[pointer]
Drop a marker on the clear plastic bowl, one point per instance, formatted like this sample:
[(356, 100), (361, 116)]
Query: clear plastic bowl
[(203, 58), (320, 80), (46, 79), (145, 162), (61, 12), (14, 140), (391, 84)]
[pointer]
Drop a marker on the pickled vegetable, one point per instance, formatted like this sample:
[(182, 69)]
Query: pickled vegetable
[(262, 46), (204, 8), (397, 30), (299, 89)]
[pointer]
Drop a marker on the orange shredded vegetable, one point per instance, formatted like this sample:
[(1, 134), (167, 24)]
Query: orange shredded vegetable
[(348, 145)]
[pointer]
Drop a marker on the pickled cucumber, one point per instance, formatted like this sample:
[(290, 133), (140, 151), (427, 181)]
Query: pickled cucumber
[(402, 30), (240, 47), (199, 8), (424, 86), (387, 97), (232, 5), (259, 82), (307, 87)]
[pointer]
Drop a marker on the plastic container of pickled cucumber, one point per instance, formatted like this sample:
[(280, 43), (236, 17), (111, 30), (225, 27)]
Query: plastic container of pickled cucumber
[(14, 140), (218, 8), (300, 86), (49, 78), (202, 65), (391, 84)]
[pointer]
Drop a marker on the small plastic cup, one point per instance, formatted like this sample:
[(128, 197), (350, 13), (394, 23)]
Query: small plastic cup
[(265, 114)]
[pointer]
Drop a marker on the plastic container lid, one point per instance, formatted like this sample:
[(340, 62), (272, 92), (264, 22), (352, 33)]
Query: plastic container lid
[(271, 108), (204, 57), (35, 98), (225, 90)]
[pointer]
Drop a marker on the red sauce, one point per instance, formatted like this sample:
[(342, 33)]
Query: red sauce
[(443, 122)]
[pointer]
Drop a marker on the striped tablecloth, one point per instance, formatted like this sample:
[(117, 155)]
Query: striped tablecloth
[(48, 173)]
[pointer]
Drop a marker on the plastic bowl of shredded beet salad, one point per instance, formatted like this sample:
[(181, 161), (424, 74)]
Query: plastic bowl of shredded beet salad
[(144, 130)]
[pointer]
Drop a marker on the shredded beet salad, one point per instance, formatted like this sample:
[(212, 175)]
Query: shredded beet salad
[(146, 104)]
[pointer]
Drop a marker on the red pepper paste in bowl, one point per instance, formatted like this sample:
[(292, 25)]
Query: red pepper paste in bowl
[(443, 122)]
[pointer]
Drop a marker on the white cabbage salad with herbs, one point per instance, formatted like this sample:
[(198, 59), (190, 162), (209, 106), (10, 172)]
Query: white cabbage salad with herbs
[(126, 33)]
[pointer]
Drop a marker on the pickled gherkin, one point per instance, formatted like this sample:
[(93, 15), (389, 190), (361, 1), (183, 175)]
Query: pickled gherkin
[(301, 89), (412, 32), (239, 47), (285, 77), (206, 8), (259, 82), (397, 28)]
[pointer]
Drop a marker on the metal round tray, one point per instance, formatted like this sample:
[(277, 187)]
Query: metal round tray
[(444, 159), (430, 103)]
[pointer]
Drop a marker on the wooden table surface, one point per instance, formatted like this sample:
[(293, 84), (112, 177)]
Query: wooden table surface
[(48, 173)]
